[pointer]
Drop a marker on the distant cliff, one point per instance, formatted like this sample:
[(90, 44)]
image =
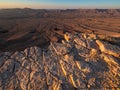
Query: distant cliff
[(68, 13)]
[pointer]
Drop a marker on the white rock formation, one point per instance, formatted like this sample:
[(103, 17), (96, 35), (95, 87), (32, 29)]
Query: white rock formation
[(77, 63)]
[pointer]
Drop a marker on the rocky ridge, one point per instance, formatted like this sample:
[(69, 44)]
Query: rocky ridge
[(79, 61)]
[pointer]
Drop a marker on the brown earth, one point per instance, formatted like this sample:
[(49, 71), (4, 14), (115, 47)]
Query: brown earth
[(20, 27)]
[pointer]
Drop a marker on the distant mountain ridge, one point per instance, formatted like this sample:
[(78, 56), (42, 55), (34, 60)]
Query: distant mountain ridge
[(44, 13)]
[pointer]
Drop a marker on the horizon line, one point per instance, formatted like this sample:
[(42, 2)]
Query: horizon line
[(55, 8)]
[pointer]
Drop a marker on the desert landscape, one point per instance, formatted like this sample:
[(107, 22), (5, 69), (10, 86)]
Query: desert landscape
[(55, 49)]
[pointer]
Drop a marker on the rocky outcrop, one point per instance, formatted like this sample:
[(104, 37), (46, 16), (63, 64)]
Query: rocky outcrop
[(108, 48), (80, 61)]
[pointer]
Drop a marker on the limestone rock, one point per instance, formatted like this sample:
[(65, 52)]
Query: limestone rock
[(108, 48), (76, 63)]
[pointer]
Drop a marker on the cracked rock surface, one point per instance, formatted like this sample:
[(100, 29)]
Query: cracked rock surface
[(80, 61)]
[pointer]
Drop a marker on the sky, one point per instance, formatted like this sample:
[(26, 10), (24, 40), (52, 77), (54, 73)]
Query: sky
[(60, 4)]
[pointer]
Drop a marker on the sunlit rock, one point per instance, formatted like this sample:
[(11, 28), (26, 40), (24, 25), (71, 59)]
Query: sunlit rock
[(108, 48), (78, 62)]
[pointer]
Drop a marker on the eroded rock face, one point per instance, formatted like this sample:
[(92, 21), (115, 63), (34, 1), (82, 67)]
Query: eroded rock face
[(79, 62), (108, 48)]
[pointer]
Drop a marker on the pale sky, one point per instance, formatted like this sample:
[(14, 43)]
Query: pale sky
[(60, 4)]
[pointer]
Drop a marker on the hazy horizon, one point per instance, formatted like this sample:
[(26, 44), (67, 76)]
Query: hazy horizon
[(55, 4)]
